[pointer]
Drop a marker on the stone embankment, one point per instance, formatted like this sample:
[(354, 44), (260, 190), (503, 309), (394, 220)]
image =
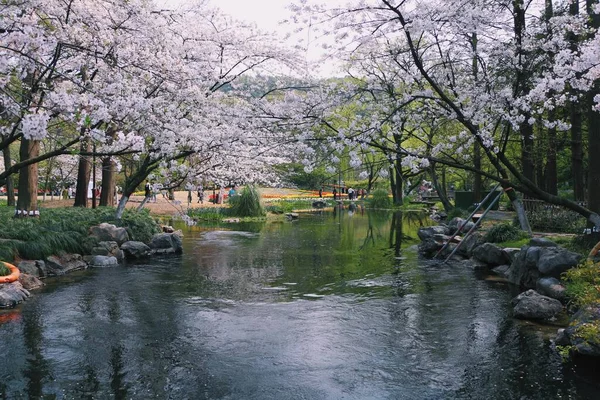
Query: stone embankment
[(112, 248), (535, 269)]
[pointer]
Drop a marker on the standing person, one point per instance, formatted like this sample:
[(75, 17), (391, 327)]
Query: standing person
[(334, 194), (221, 194), (350, 193), (189, 197), (200, 195), (320, 192), (232, 192), (147, 191)]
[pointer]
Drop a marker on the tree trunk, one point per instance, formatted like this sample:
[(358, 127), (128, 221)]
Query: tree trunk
[(107, 197), (550, 172), (28, 178), (440, 191), (393, 185), (575, 117), (83, 177), (10, 187), (593, 128), (476, 146), (399, 186)]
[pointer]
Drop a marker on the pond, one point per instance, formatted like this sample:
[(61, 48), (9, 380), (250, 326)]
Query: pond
[(335, 305)]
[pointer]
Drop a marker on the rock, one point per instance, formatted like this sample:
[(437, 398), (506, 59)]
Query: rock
[(542, 242), (167, 229), (319, 204), (523, 270), (501, 270), (573, 333), (231, 220), (532, 305), (30, 282), (167, 243), (429, 247), (12, 294), (554, 261), (429, 231), (490, 254), (33, 267), (103, 261), (459, 223), (551, 287), (470, 243), (135, 250), (109, 233), (65, 263), (292, 215), (510, 253), (110, 249)]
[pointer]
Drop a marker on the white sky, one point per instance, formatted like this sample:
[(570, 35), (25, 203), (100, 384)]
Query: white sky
[(267, 15)]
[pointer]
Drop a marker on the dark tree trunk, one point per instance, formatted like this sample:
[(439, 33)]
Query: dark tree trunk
[(476, 146), (593, 183), (576, 117), (28, 177), (10, 187), (83, 177), (107, 197), (440, 191), (399, 186)]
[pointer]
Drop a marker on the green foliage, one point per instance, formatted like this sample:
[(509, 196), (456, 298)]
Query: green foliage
[(295, 174), (210, 214), (65, 230), (380, 199), (555, 219), (504, 233), (285, 206), (583, 283), (4, 270), (247, 204), (457, 212)]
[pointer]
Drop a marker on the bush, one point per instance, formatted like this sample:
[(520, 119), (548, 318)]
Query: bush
[(247, 204), (4, 270), (65, 230), (457, 212), (380, 199), (504, 233), (582, 283), (556, 219)]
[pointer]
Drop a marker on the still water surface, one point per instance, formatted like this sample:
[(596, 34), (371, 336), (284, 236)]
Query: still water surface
[(333, 306)]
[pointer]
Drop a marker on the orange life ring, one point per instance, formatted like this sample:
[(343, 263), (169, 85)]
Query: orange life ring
[(14, 276)]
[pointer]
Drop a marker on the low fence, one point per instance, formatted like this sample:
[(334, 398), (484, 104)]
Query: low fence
[(548, 217)]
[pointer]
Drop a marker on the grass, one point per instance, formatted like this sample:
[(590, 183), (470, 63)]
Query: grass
[(246, 204), (64, 230), (4, 270)]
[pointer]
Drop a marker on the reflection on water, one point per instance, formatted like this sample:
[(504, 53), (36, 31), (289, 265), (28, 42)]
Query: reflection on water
[(334, 305)]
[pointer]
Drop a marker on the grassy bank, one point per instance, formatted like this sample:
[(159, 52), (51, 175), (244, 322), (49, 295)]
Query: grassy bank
[(64, 230)]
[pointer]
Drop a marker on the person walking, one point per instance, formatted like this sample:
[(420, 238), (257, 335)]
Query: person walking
[(334, 194), (200, 195)]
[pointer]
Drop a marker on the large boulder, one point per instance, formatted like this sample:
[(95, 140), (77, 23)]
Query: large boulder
[(532, 305), (510, 253), (167, 243), (490, 254), (551, 287), (554, 261), (12, 294), (429, 231), (109, 233), (429, 247), (470, 243), (30, 282), (135, 250), (109, 249), (35, 268), (542, 242), (575, 334), (457, 223), (103, 261), (65, 263)]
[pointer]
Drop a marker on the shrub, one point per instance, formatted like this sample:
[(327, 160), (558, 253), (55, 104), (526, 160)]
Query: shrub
[(247, 204), (4, 270), (65, 230), (556, 219), (380, 199), (504, 233), (582, 283)]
